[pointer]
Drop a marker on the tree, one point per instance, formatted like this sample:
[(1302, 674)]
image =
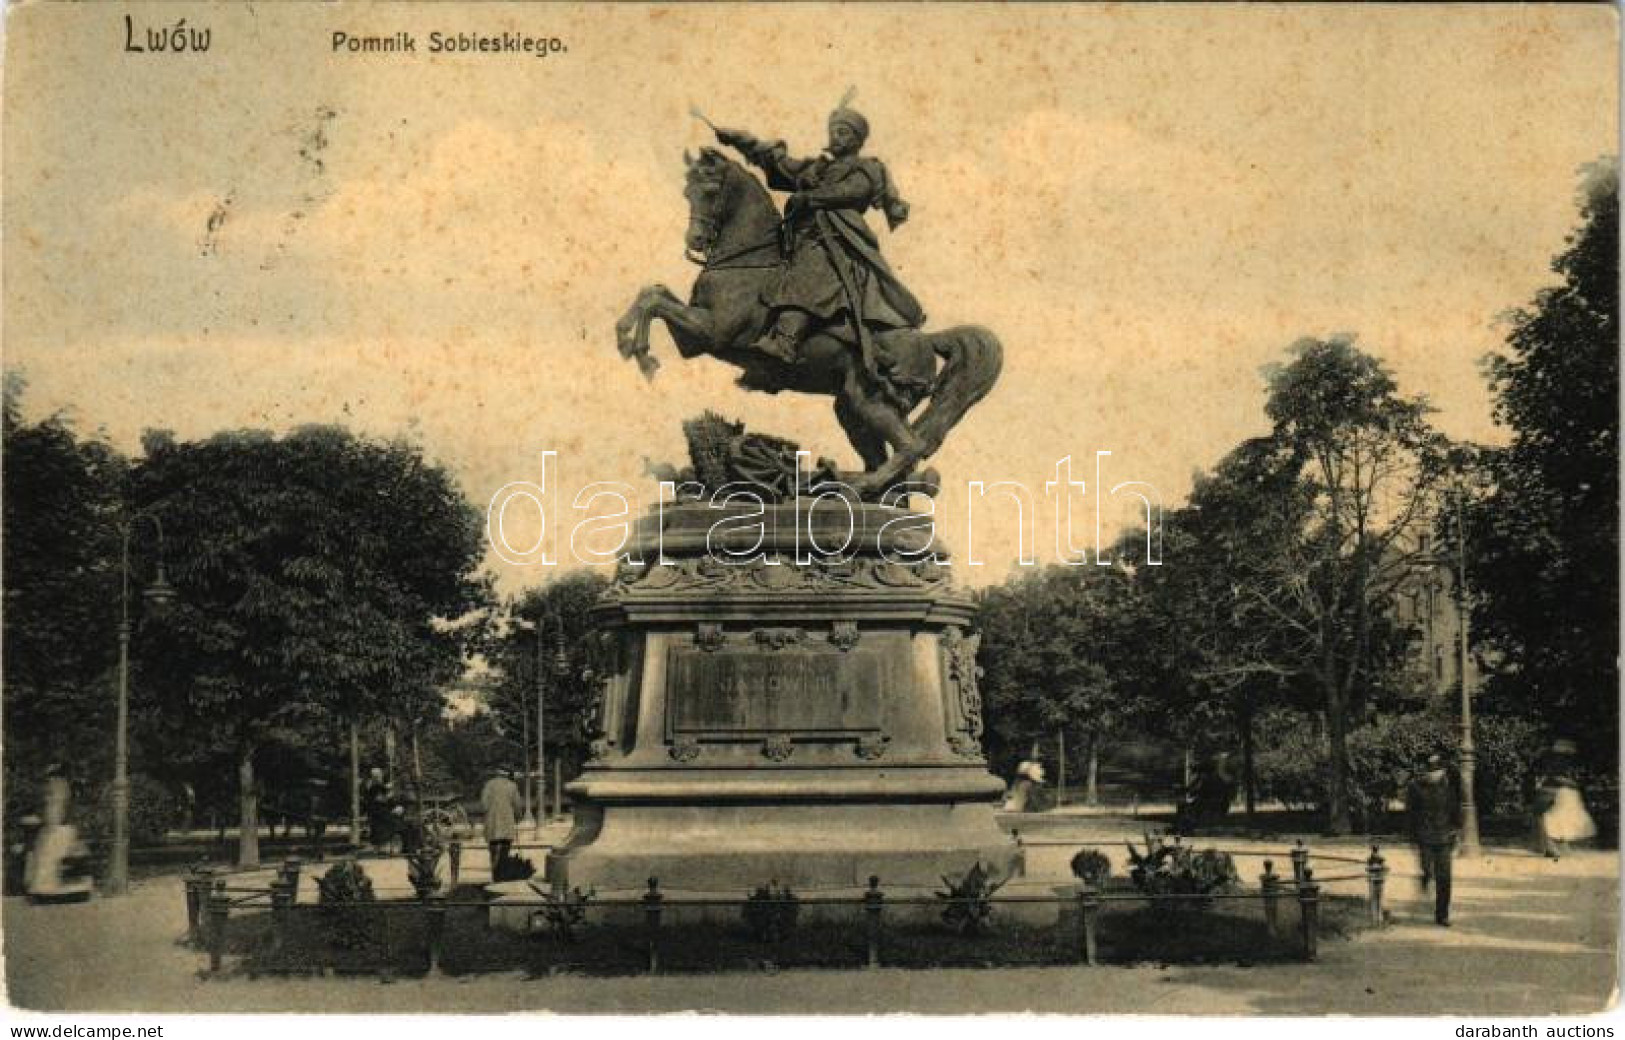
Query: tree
[(1368, 464), (1314, 529), (550, 651), (62, 509), (315, 575), (461, 752), (1063, 651), (1222, 635), (1545, 541)]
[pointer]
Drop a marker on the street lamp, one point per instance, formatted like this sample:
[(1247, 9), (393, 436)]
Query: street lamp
[(560, 665), (526, 819), (1469, 752), (157, 596)]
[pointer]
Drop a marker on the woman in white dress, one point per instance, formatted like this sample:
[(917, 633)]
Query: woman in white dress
[(1563, 817), (1560, 811), (55, 867)]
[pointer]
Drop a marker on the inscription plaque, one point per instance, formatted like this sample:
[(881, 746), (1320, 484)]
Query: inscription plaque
[(750, 695)]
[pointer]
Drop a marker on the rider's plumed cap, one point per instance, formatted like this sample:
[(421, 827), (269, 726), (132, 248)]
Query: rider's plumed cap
[(852, 118)]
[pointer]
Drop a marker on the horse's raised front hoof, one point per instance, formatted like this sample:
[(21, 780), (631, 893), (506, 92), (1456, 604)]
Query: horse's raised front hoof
[(626, 340)]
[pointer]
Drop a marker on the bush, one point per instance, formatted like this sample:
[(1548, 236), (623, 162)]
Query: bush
[(155, 810), (1384, 753), (1289, 765), (771, 911), (1179, 870), (970, 900), (423, 870), (514, 868), (1509, 751), (342, 889), (1091, 867), (565, 913)]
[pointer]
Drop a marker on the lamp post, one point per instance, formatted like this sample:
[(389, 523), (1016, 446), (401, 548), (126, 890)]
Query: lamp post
[(526, 820), (560, 665), (1469, 752), (158, 595)]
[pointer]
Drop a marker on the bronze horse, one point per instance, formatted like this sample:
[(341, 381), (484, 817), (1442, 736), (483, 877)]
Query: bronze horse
[(734, 233)]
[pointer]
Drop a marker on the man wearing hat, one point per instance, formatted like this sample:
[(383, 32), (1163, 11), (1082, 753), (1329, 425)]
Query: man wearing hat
[(1434, 804), (835, 271), (500, 800)]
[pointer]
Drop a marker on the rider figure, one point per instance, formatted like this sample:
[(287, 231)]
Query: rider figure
[(835, 269)]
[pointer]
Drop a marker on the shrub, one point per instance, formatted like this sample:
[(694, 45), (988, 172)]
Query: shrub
[(1177, 870), (970, 900), (1509, 751), (1091, 867), (565, 913), (423, 870), (1385, 752), (770, 912), (514, 868), (154, 811), (342, 891)]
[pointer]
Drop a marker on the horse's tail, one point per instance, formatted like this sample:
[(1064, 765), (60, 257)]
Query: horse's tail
[(972, 358)]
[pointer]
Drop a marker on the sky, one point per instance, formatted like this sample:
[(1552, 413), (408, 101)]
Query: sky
[(1146, 204)]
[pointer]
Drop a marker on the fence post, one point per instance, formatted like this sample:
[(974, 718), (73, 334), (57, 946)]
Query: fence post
[(1376, 873), (198, 884), (290, 875), (1088, 914), (436, 909), (1309, 909), (454, 860), (219, 912), (873, 907), (1300, 862), (1269, 883), (281, 904), (651, 920)]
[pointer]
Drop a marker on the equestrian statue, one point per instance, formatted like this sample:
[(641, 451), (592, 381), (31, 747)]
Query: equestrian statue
[(804, 301)]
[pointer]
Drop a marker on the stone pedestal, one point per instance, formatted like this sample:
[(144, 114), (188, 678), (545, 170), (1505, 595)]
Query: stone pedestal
[(812, 722)]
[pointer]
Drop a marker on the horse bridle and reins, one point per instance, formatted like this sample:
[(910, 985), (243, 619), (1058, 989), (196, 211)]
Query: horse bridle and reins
[(710, 226)]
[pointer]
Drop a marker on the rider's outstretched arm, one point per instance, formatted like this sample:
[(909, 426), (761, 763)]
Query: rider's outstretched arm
[(771, 157)]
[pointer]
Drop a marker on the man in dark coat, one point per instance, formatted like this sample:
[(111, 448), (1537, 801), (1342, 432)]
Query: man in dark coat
[(835, 269), (1434, 805), (375, 798)]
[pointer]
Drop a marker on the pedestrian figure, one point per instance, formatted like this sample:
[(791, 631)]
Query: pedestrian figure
[(1434, 807), (1026, 790), (500, 800), (375, 795), (58, 865), (409, 819), (1207, 800), (1560, 812)]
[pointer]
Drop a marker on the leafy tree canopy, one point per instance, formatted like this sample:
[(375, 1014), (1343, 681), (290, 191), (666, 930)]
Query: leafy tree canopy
[(1545, 541), (316, 575)]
